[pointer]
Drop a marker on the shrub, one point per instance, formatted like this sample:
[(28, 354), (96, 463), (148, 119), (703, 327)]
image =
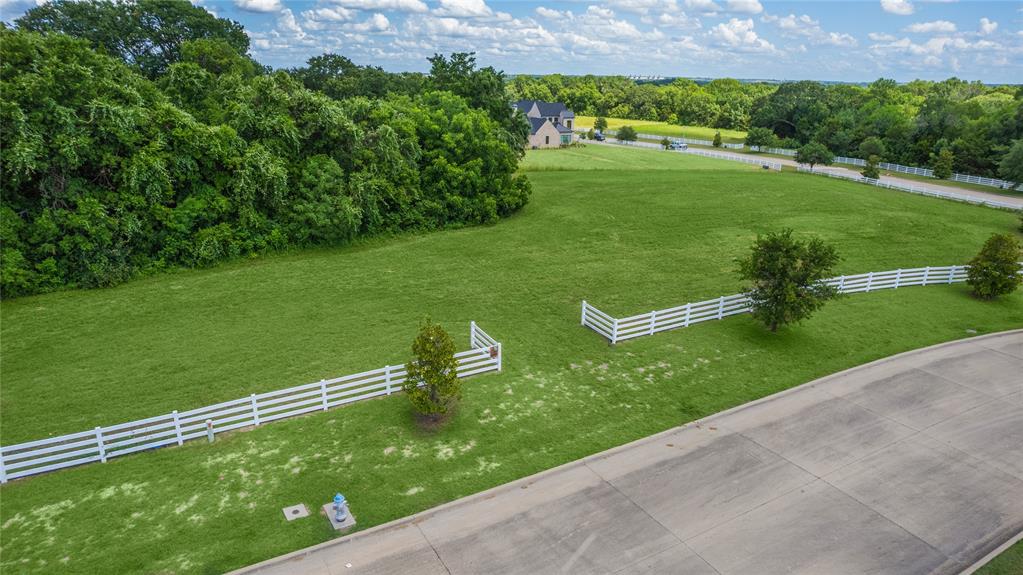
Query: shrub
[(995, 270), (717, 139), (873, 146), (665, 143), (760, 138), (814, 153), (870, 170), (943, 164), (432, 384), (626, 134), (786, 277), (600, 124)]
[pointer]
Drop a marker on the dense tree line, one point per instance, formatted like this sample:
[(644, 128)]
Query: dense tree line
[(920, 123), (133, 149)]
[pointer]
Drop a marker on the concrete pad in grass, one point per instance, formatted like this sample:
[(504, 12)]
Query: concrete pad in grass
[(814, 530), (953, 501)]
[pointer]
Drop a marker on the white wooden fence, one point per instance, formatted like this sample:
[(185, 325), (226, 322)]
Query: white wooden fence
[(174, 428), (620, 329), (915, 189), (735, 158)]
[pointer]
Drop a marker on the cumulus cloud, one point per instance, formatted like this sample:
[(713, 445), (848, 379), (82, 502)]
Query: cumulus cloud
[(642, 6), (987, 26), (374, 24), (552, 14), (258, 5), (464, 9), (706, 6), (739, 35), (900, 7), (806, 27), (327, 14), (881, 37), (745, 6), (381, 5), (287, 24), (938, 26)]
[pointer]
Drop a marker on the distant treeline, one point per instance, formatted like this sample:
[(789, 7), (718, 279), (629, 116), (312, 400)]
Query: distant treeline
[(913, 122), (139, 136)]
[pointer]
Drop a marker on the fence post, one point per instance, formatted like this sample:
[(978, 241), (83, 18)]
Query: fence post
[(500, 357), (102, 449), (614, 331), (387, 378), (898, 277), (870, 279), (951, 273), (209, 430), (721, 307), (177, 426), (323, 393), (3, 469), (255, 408), (688, 306), (472, 342), (583, 319), (841, 283), (653, 321), (927, 272)]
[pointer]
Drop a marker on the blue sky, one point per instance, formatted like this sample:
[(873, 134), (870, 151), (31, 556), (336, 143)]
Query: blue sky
[(848, 41)]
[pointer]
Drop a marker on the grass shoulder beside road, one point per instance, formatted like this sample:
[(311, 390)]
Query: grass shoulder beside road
[(626, 240)]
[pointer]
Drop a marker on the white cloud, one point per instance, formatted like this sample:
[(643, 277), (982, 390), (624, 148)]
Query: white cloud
[(375, 23), (287, 25), (707, 6), (334, 14), (881, 37), (464, 9), (987, 26), (806, 27), (642, 7), (938, 26), (745, 6), (679, 20), (900, 7), (552, 14), (599, 12), (258, 5), (738, 34), (393, 5)]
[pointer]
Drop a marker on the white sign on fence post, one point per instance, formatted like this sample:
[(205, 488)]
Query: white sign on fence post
[(583, 321), (102, 449), (387, 371), (177, 427), (323, 393), (255, 409)]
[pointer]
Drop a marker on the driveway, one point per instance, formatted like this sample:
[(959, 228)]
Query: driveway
[(912, 464)]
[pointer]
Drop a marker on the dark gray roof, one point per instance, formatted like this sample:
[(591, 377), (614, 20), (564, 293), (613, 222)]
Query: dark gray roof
[(561, 128), (535, 124), (548, 109), (524, 105)]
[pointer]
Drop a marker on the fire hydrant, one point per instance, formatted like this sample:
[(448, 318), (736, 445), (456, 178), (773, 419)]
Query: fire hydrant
[(340, 508)]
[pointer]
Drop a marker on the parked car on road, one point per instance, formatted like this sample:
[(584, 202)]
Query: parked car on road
[(678, 146), (599, 137)]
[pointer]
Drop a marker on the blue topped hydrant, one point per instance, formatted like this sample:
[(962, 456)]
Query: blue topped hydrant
[(340, 508)]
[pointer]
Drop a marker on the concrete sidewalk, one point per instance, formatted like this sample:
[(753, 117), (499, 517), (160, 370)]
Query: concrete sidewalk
[(913, 464)]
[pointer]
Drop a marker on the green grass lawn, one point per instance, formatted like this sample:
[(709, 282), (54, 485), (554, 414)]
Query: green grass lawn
[(619, 158), (626, 240), (666, 129)]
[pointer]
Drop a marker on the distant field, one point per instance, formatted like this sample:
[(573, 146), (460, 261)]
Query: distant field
[(664, 232), (665, 129)]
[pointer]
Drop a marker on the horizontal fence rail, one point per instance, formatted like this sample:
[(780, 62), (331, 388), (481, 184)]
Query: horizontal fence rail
[(914, 189), (620, 329), (174, 428)]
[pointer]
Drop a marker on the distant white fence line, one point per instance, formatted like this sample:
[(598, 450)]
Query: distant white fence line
[(914, 189), (620, 329), (735, 158), (102, 443)]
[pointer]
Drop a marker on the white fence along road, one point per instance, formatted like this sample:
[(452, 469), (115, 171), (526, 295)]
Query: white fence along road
[(620, 329), (102, 443)]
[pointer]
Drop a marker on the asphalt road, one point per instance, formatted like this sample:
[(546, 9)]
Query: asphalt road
[(909, 465)]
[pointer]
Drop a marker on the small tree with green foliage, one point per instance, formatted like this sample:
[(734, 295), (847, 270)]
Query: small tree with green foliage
[(873, 146), (432, 384), (995, 270), (665, 143), (814, 153), (600, 124), (626, 134), (943, 164), (591, 134), (786, 277), (760, 138), (870, 170), (717, 139), (1010, 168)]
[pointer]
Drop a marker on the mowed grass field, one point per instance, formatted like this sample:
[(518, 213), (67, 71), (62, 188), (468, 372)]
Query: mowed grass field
[(626, 240), (666, 129)]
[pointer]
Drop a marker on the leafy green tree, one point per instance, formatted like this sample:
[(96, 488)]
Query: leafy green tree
[(760, 138), (870, 170), (147, 34), (872, 146), (626, 134), (943, 164), (1011, 167), (600, 124), (717, 139), (814, 153), (591, 134), (665, 143), (432, 383), (996, 269), (786, 277)]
